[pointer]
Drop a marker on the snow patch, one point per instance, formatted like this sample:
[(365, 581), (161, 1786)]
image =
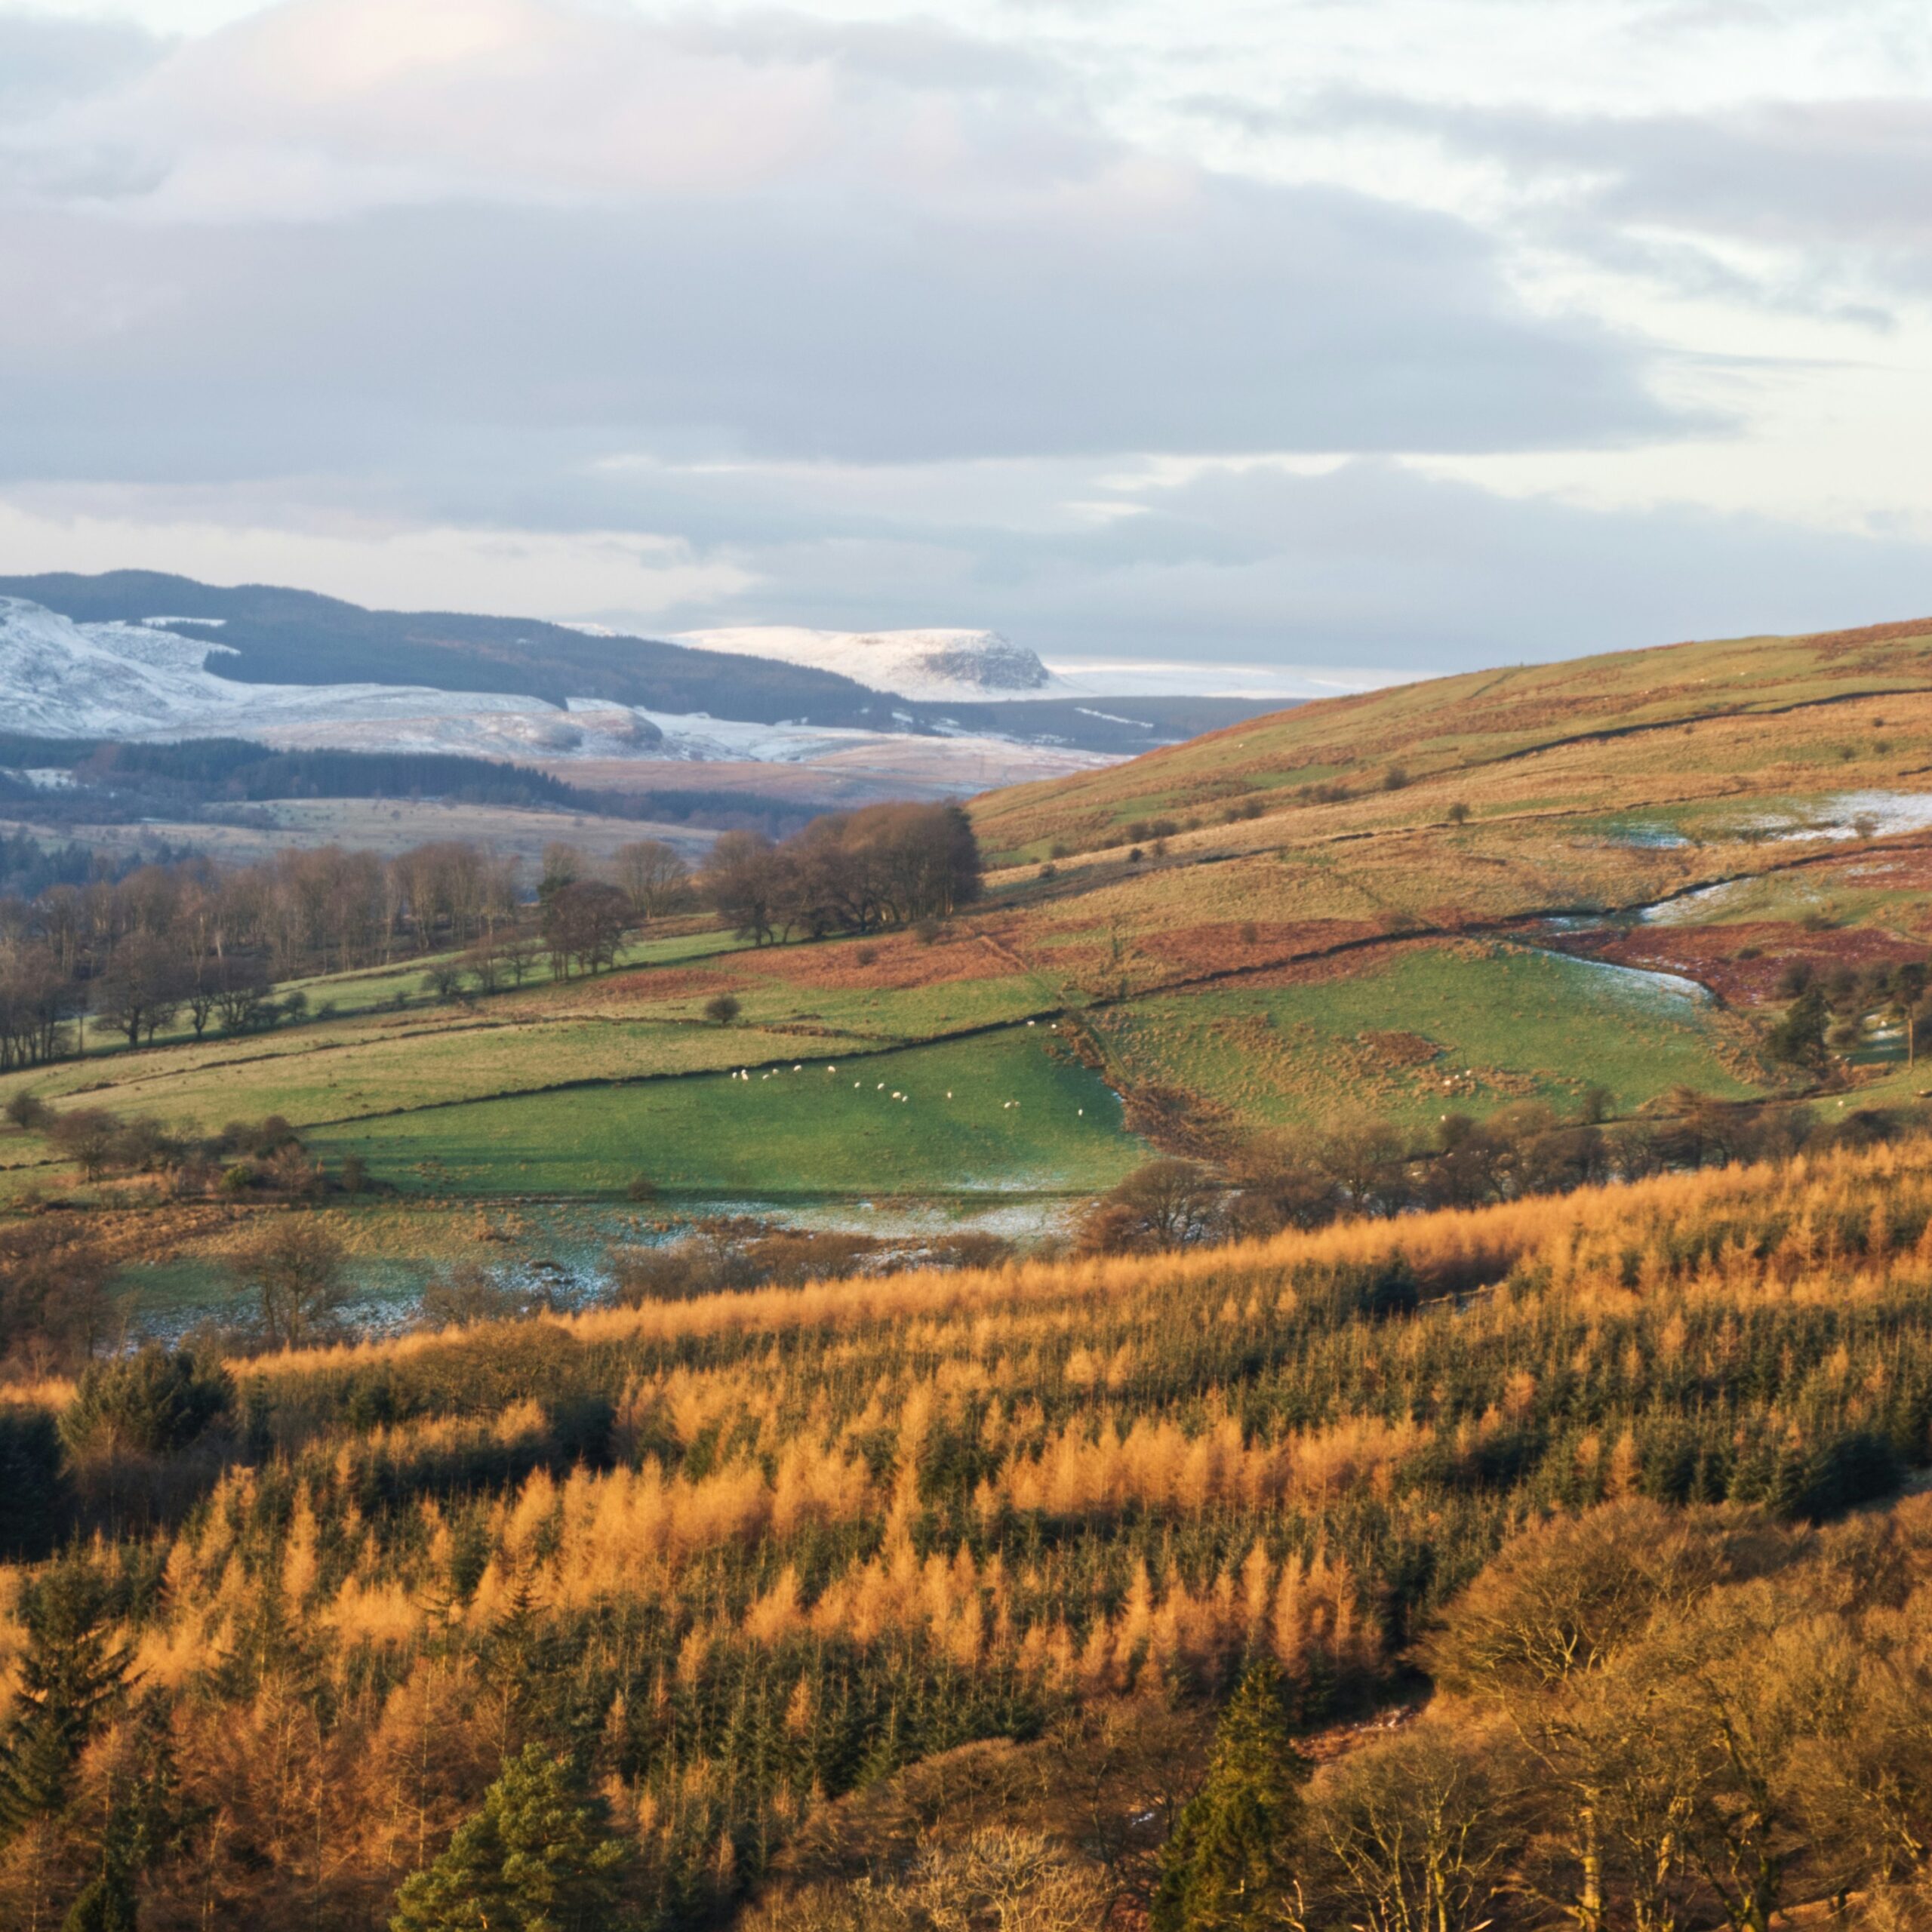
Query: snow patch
[(1689, 906), (1883, 812), (926, 666)]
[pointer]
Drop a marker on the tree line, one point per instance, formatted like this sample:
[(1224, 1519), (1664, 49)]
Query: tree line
[(189, 942), (1361, 1165), (886, 865)]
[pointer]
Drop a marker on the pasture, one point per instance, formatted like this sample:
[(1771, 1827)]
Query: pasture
[(1020, 1120), (1413, 1030)]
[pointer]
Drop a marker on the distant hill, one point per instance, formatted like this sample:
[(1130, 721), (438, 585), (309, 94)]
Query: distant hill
[(266, 635), (924, 665), (295, 637)]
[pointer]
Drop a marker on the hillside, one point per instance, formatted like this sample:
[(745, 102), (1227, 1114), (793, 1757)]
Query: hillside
[(835, 1416), (274, 636), (1481, 721), (1641, 876), (842, 1583)]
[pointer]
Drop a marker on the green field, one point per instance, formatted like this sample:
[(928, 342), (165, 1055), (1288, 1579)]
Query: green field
[(802, 1134), (366, 1059), (1430, 1028)]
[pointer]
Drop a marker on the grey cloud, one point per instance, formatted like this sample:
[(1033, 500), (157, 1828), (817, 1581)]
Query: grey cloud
[(1374, 565), (1844, 178), (1040, 303), (1235, 318), (45, 60)]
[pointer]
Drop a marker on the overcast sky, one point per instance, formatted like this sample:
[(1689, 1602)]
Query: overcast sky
[(1363, 335)]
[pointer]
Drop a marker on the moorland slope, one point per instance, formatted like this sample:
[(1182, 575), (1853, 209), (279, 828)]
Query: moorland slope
[(1592, 888)]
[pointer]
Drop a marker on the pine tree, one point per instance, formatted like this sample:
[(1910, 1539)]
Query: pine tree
[(72, 1672), (107, 1903), (535, 1858), (1229, 1866)]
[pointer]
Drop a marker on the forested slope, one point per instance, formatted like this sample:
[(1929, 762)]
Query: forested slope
[(734, 1556)]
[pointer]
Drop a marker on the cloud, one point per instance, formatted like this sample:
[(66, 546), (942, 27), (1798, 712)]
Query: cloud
[(1369, 564), (712, 316), (1841, 183), (334, 234), (46, 62)]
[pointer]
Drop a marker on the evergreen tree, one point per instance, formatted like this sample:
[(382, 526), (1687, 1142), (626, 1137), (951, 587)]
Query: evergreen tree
[(1798, 1039), (1229, 1866), (536, 1858), (72, 1670), (108, 1903)]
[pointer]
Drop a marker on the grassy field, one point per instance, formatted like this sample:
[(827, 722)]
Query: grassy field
[(1692, 809), (646, 1020), (1416, 1030), (802, 1134), (388, 826)]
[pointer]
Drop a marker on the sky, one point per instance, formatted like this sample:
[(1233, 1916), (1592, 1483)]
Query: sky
[(1341, 339)]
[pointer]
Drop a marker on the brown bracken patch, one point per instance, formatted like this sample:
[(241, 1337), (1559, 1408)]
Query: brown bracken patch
[(1710, 954), (1400, 1049)]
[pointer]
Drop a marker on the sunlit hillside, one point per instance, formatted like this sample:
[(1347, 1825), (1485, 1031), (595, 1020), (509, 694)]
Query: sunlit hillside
[(1440, 728), (752, 1553)]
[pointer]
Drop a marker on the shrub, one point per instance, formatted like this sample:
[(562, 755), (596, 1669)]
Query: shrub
[(1798, 1039), (87, 1135), (722, 1008), (294, 1271), (151, 1404), (466, 1294), (1165, 1205)]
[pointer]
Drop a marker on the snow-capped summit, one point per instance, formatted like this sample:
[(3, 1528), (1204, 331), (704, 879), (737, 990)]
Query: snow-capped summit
[(929, 667)]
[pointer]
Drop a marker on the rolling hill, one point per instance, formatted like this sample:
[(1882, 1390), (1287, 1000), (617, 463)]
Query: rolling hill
[(1482, 722), (1578, 885), (838, 1568)]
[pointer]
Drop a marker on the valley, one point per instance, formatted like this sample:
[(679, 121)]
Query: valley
[(1584, 892), (879, 1329)]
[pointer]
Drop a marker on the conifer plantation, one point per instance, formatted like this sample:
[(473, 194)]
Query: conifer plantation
[(867, 1602)]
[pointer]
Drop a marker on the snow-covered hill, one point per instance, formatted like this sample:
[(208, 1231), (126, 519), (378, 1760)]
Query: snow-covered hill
[(58, 679), (928, 667)]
